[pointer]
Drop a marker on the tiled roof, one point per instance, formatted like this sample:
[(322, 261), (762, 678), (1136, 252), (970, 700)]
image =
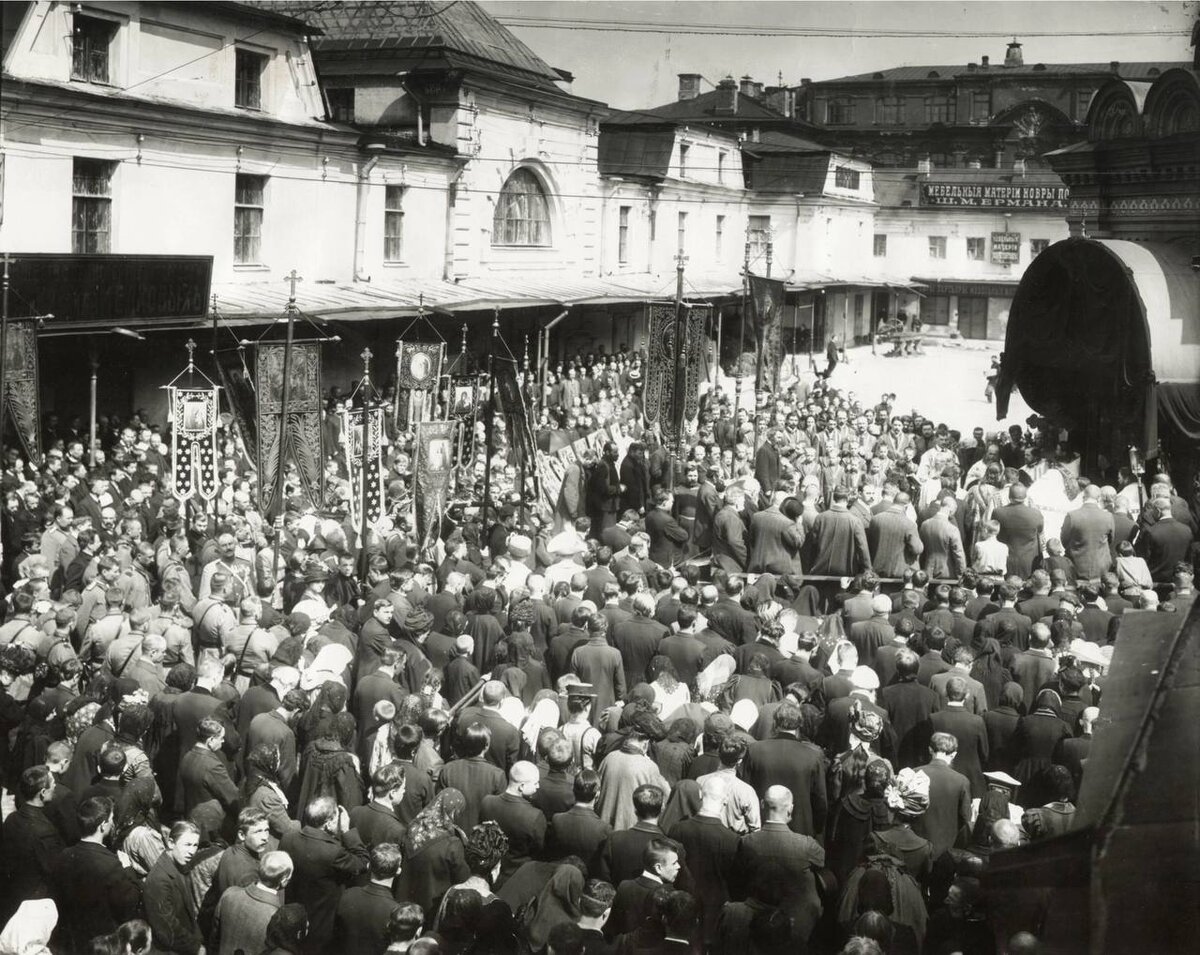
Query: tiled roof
[(900, 74), (389, 24)]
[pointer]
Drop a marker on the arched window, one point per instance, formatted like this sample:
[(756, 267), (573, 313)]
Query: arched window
[(522, 212)]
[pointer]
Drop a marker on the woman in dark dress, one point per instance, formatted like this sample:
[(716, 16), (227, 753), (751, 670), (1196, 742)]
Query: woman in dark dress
[(909, 798), (434, 850), (1034, 743), (494, 925), (330, 768), (859, 812)]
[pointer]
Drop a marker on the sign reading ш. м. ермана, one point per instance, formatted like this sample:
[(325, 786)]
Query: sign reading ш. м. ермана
[(993, 196)]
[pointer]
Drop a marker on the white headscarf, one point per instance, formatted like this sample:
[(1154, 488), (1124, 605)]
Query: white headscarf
[(545, 713), (28, 931)]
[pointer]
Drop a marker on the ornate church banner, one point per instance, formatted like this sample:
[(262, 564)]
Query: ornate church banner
[(298, 439), (766, 310), (432, 470), (662, 383), (194, 416), (352, 427), (20, 398)]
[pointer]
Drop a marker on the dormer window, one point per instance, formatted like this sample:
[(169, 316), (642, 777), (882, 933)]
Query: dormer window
[(91, 45), (248, 74)]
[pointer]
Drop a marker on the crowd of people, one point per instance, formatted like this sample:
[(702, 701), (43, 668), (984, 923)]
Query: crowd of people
[(788, 690)]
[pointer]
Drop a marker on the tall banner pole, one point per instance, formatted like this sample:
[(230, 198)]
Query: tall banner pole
[(490, 423), (290, 316), (367, 391), (678, 393), (737, 398)]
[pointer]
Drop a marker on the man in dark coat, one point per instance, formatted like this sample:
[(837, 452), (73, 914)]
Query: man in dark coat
[(1021, 527), (711, 849), (579, 831), (505, 743), (869, 635), (1164, 543), (31, 842), (949, 811), (729, 535), (376, 821), (472, 774), (522, 822), (638, 639), (775, 540), (909, 706), (361, 922), (328, 856), (786, 760), (989, 627), (209, 794), (659, 865), (841, 540), (622, 854), (766, 462), (970, 732), (93, 891), (667, 536), (1001, 722), (894, 540), (635, 478), (1087, 536), (789, 855), (604, 491), (1033, 668)]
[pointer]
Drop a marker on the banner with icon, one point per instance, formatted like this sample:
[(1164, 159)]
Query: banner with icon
[(194, 449)]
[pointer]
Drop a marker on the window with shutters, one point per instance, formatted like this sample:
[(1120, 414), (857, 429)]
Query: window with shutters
[(248, 209), (522, 214), (91, 206)]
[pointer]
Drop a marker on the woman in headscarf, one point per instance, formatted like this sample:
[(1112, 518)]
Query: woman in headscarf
[(846, 772), (28, 931), (133, 728), (262, 789), (556, 904), (330, 700), (522, 654), (434, 850), (882, 884), (989, 669), (287, 930), (683, 803), (329, 767), (669, 693), (675, 753), (544, 715), (908, 798), (1036, 739), (856, 815), (136, 826), (514, 680)]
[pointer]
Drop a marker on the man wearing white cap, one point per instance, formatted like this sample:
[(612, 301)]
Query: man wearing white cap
[(517, 572), (869, 635)]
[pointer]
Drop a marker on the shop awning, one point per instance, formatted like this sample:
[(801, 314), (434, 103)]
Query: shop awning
[(541, 290), (983, 288), (812, 281), (256, 302)]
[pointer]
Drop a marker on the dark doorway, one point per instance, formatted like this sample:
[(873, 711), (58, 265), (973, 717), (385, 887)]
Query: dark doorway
[(972, 316)]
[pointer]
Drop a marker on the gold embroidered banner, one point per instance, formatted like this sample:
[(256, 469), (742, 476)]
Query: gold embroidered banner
[(194, 414), (432, 470), (298, 439), (20, 398)]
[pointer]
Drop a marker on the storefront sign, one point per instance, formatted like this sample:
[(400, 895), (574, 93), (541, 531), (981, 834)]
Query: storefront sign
[(1006, 248), (978, 289), (993, 196), (119, 289)]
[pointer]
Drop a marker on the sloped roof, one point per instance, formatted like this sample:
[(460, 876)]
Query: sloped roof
[(900, 74), (461, 26), (778, 141)]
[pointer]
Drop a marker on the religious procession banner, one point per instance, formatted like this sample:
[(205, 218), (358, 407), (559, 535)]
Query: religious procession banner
[(766, 314), (20, 398), (418, 370), (238, 387), (512, 404), (662, 382), (298, 439), (352, 450), (194, 452), (432, 469)]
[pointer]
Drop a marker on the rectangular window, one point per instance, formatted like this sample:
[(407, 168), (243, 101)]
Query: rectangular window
[(846, 178), (623, 234), (758, 234), (880, 245), (393, 223), (981, 107), (91, 42), (935, 310), (341, 105), (937, 246), (721, 166), (248, 72), (248, 219), (839, 112), (938, 109), (1037, 247), (720, 244), (91, 206), (889, 111), (976, 248), (681, 231), (683, 158)]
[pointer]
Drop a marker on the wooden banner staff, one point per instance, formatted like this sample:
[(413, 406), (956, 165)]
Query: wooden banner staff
[(490, 423), (289, 312)]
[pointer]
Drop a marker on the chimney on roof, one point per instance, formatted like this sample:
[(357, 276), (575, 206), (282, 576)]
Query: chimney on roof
[(689, 86), (746, 86), (1014, 56), (805, 80), (727, 96), (985, 61), (1115, 66)]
